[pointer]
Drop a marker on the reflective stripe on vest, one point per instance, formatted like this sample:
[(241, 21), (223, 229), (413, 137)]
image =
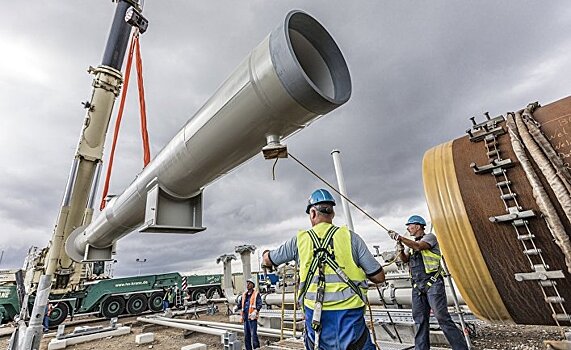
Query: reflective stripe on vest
[(431, 261), (251, 307), (338, 295)]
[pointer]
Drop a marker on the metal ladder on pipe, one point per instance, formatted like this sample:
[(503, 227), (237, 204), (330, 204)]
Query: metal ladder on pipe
[(289, 278)]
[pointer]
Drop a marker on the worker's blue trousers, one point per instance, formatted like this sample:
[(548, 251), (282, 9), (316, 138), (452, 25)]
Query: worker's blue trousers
[(434, 298), (339, 329), (46, 323), (251, 334)]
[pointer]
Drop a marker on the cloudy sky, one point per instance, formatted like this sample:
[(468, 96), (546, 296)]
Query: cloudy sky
[(419, 71)]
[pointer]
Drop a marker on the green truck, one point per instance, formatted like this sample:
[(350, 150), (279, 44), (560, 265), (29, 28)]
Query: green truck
[(9, 303), (116, 296), (210, 285)]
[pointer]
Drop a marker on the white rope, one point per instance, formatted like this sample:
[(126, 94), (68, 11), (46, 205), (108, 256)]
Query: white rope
[(542, 199)]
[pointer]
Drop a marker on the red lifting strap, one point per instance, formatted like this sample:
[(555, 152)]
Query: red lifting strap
[(142, 107)]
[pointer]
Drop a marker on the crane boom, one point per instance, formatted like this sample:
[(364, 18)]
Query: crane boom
[(76, 208)]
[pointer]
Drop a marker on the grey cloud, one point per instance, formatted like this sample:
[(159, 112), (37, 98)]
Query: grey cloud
[(419, 71)]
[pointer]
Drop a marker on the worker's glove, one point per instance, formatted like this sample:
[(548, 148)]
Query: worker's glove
[(253, 315), (265, 267), (400, 247), (394, 235)]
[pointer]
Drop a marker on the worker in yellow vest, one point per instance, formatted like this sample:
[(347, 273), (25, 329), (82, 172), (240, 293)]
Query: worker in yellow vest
[(428, 290), (334, 264), (251, 306)]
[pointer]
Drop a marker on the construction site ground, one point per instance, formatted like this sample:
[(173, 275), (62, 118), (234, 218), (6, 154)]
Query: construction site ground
[(487, 336)]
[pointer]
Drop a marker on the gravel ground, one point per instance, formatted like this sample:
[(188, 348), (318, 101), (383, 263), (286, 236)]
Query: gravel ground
[(500, 337), (487, 337)]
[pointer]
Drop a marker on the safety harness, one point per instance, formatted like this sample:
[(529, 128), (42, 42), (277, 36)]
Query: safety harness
[(323, 254), (432, 279)]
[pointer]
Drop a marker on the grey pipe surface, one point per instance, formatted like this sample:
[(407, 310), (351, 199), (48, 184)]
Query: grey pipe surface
[(232, 327), (401, 296), (295, 75), (205, 330)]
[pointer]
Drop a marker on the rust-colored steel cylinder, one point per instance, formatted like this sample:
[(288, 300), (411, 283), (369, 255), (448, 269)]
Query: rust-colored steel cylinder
[(485, 257)]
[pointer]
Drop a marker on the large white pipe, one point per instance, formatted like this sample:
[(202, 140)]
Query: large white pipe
[(295, 75), (391, 296), (231, 326), (205, 330)]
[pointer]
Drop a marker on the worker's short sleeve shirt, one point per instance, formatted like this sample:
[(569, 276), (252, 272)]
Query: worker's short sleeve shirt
[(361, 254), (430, 238)]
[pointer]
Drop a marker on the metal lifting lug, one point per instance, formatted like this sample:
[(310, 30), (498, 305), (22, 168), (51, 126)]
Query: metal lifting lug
[(548, 283), (562, 317), (554, 300), (526, 237), (274, 149), (505, 183), (135, 18), (479, 131), (514, 214), (496, 164), (540, 274), (534, 251)]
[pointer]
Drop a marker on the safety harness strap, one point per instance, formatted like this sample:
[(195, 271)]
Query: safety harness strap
[(433, 280), (322, 255), (318, 251)]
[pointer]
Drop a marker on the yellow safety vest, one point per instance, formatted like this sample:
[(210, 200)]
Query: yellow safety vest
[(431, 261), (338, 294)]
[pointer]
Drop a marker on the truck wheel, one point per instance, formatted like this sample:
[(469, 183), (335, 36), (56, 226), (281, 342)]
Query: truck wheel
[(136, 304), (211, 292), (196, 293), (156, 301), (59, 314), (113, 307)]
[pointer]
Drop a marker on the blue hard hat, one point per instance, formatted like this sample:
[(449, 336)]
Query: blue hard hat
[(416, 219), (319, 196)]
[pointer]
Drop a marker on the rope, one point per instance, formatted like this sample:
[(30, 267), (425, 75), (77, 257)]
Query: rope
[(117, 125), (373, 327), (362, 211), (541, 198), (274, 169), (142, 107), (336, 191)]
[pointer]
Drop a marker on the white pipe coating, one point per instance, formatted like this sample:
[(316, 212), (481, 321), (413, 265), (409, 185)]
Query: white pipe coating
[(295, 75), (270, 332), (205, 330), (401, 296)]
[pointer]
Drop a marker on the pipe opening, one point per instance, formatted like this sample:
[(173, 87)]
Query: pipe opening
[(319, 56)]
